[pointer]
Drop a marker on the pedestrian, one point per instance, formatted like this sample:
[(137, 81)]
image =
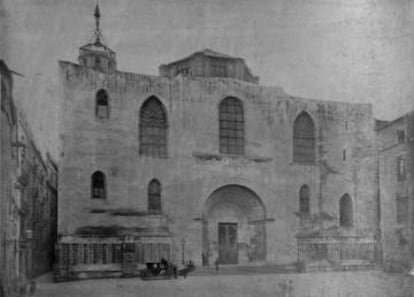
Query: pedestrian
[(203, 259), (2, 293), (175, 270), (290, 289), (32, 287), (216, 263)]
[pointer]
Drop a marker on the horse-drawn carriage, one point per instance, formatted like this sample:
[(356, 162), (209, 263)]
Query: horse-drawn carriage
[(164, 270)]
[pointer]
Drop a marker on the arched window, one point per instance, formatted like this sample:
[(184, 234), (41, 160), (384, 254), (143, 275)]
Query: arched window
[(231, 126), (154, 196), (304, 200), (346, 216), (304, 139), (98, 185), (102, 105), (153, 128)]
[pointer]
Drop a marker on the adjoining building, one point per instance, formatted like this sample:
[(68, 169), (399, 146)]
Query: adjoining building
[(8, 128), (28, 197), (36, 191), (396, 152), (204, 163)]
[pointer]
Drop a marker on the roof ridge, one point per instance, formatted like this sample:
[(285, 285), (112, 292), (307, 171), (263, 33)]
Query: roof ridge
[(216, 53)]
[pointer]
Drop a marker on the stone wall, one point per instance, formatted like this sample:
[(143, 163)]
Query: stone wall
[(194, 168)]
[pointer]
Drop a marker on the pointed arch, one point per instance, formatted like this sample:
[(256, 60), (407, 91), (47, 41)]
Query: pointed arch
[(304, 200), (231, 126), (346, 211), (304, 139), (154, 196), (153, 128), (102, 104), (98, 185)]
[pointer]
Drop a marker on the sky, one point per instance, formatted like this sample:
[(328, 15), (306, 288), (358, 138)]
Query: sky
[(341, 50)]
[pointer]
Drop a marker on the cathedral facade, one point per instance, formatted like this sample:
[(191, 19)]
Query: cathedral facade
[(204, 163)]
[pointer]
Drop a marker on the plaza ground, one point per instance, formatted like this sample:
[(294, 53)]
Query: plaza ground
[(338, 284)]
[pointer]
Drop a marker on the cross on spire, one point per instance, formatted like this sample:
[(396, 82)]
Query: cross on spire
[(97, 15)]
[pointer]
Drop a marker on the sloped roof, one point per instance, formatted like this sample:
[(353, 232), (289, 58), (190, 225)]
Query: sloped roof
[(211, 53), (206, 52)]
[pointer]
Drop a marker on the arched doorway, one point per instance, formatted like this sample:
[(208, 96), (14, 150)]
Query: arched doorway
[(234, 226)]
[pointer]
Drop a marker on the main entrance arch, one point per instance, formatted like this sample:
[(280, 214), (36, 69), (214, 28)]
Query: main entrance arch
[(234, 226)]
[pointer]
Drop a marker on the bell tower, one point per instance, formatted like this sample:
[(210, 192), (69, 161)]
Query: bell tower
[(96, 54)]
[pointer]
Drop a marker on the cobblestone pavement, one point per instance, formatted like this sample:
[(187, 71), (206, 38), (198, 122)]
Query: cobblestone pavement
[(339, 284)]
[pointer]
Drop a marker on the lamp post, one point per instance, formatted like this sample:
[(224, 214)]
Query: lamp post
[(182, 249)]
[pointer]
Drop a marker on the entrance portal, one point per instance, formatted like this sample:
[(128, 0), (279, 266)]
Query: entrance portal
[(234, 227), (227, 242)]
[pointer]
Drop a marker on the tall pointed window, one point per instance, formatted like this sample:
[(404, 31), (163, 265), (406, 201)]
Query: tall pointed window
[(102, 105), (346, 216), (154, 197), (304, 139), (98, 185), (231, 126), (304, 200), (153, 128)]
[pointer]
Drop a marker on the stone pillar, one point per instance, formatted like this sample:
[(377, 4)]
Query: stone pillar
[(195, 241)]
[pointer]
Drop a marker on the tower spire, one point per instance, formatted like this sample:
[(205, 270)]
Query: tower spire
[(96, 54), (97, 33)]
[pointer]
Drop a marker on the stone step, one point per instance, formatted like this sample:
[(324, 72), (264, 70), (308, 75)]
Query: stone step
[(244, 269)]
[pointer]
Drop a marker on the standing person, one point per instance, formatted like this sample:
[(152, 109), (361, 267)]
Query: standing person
[(2, 294), (216, 263)]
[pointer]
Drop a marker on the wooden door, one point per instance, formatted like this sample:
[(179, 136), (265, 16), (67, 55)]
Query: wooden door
[(227, 241)]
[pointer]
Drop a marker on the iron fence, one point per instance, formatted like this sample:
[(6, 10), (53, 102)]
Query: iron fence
[(338, 252)]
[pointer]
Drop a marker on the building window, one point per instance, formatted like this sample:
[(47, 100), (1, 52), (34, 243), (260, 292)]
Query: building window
[(304, 200), (346, 216), (3, 94), (98, 63), (402, 209), (98, 185), (154, 197), (400, 135), (303, 139), (102, 105), (231, 126), (153, 128), (401, 172), (183, 69)]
